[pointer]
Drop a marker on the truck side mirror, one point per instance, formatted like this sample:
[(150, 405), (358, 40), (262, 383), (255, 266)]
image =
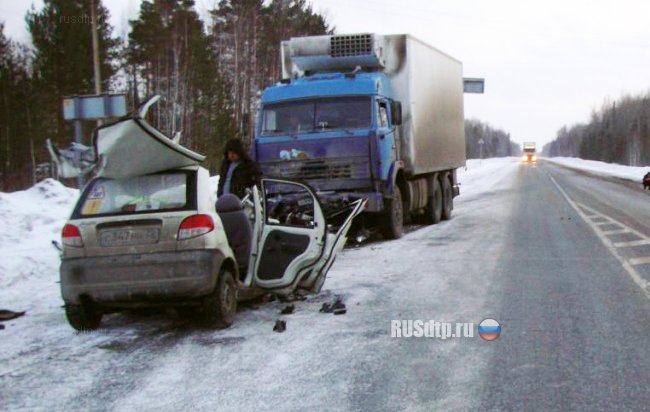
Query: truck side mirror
[(395, 113)]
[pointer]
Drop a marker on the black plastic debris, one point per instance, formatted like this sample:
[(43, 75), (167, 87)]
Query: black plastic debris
[(291, 298), (2, 326), (333, 307), (280, 326), (9, 314), (288, 310), (269, 297)]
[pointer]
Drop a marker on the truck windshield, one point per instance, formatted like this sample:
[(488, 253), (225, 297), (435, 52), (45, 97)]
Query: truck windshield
[(317, 115)]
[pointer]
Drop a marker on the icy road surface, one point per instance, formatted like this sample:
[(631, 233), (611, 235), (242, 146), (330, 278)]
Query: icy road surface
[(528, 246)]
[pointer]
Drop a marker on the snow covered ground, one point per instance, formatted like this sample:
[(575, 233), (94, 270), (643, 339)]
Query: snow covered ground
[(153, 361), (632, 173)]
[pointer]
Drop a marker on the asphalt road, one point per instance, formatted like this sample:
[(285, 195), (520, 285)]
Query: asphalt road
[(576, 325)]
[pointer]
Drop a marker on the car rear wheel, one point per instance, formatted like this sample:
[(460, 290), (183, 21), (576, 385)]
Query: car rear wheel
[(220, 306), (84, 316)]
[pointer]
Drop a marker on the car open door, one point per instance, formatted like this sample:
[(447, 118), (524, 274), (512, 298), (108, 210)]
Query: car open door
[(334, 242), (291, 244)]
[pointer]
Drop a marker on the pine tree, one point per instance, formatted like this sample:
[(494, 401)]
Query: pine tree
[(63, 65), (170, 54)]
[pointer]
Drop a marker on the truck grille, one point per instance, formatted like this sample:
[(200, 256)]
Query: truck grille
[(354, 45), (329, 169)]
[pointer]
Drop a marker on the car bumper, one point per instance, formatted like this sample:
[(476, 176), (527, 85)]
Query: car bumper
[(141, 279)]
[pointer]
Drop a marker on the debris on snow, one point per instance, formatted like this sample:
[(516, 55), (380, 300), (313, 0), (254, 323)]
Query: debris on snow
[(288, 310), (9, 314), (280, 326)]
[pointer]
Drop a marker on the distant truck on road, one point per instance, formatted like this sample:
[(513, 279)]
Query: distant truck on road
[(530, 152), (368, 116)]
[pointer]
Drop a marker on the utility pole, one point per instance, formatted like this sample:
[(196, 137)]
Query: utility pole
[(93, 19)]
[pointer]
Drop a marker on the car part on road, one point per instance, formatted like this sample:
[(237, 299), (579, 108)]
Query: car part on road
[(280, 326), (333, 307), (9, 314), (288, 310)]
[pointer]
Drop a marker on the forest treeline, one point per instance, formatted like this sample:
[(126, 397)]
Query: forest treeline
[(209, 71), (617, 133), (496, 143)]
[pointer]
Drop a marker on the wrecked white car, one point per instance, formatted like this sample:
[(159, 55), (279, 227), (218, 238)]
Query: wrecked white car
[(146, 233)]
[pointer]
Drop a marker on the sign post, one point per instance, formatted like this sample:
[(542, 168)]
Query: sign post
[(92, 107)]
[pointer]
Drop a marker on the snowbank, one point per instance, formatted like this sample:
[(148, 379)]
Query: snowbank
[(633, 173), (29, 221)]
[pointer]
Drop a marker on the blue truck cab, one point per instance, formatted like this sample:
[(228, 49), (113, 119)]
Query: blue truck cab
[(333, 130)]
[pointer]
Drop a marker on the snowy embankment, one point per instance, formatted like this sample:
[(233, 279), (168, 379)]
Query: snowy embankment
[(632, 173)]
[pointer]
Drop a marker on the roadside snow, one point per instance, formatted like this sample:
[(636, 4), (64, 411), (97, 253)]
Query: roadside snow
[(29, 221), (632, 173), (153, 361)]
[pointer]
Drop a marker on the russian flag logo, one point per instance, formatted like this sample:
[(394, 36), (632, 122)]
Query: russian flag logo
[(489, 329)]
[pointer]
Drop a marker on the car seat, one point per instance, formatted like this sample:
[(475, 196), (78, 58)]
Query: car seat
[(238, 228)]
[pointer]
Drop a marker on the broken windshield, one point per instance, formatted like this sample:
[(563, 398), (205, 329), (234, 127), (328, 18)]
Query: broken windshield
[(317, 115)]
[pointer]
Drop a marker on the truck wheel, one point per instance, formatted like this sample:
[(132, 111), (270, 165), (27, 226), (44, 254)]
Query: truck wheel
[(220, 306), (84, 316), (394, 223), (434, 206), (447, 198)]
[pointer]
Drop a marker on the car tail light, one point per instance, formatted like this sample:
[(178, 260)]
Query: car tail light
[(71, 236), (196, 225)]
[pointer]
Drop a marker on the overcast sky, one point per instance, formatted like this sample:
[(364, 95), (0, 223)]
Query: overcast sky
[(546, 63)]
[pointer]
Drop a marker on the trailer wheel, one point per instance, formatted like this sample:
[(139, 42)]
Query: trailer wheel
[(83, 317), (220, 306), (447, 198), (394, 219), (434, 206)]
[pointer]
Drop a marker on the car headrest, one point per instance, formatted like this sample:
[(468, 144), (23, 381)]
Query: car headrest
[(228, 203)]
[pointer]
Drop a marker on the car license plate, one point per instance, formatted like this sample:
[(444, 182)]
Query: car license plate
[(128, 237)]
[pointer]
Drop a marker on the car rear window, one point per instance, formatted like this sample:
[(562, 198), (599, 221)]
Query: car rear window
[(141, 194)]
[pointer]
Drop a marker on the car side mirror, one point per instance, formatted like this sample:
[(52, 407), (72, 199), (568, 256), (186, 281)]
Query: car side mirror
[(396, 113)]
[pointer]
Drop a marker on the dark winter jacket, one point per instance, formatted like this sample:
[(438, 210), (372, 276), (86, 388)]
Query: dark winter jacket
[(245, 175)]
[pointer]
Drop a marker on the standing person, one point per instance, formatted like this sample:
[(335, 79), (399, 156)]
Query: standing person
[(238, 170)]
